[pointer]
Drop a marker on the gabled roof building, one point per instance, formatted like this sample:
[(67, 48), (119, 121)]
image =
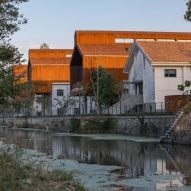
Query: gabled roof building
[(49, 73), (155, 69), (110, 50), (47, 66)]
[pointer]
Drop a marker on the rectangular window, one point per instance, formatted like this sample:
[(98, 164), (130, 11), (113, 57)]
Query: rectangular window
[(60, 92), (170, 72), (124, 40), (139, 88)]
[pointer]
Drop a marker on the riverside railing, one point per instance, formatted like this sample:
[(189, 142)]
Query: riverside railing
[(117, 109)]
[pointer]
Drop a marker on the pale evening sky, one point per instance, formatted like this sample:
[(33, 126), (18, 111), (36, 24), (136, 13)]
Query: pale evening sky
[(55, 21)]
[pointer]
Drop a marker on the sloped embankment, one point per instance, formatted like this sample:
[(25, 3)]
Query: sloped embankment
[(182, 131)]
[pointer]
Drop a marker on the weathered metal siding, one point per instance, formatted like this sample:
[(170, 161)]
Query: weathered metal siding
[(49, 53), (108, 37), (113, 65), (47, 66), (108, 61), (51, 73), (20, 71)]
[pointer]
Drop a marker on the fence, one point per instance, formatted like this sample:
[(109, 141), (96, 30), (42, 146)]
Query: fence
[(116, 109)]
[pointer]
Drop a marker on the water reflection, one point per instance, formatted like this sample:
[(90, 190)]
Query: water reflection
[(137, 159)]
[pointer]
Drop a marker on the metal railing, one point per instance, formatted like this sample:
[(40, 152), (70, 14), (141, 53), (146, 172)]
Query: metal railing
[(117, 109)]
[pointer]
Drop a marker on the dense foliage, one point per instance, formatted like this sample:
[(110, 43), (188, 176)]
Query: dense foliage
[(186, 84), (187, 15), (103, 88), (10, 21)]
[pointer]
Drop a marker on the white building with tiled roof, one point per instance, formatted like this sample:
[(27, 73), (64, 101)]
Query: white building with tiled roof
[(156, 68)]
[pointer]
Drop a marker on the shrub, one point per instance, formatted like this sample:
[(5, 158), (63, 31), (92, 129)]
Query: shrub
[(74, 125), (101, 124)]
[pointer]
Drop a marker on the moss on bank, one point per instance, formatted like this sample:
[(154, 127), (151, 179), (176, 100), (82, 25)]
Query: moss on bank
[(17, 177)]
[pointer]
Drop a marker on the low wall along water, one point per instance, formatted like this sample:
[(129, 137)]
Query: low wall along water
[(147, 125)]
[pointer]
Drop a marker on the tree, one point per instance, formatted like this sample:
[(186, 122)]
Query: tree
[(187, 15), (65, 104), (44, 46), (186, 84), (10, 21), (103, 87)]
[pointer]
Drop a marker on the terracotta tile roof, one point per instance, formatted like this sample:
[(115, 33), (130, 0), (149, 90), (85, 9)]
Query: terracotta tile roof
[(105, 49), (167, 51)]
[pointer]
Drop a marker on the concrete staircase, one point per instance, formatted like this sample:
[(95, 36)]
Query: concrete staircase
[(167, 137)]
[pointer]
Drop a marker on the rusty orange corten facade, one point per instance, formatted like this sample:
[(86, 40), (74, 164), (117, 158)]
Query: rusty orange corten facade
[(47, 66), (110, 50), (20, 72)]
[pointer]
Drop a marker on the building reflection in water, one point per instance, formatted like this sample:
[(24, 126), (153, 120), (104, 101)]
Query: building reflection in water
[(136, 158)]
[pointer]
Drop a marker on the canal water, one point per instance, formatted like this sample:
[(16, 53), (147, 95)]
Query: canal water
[(108, 162)]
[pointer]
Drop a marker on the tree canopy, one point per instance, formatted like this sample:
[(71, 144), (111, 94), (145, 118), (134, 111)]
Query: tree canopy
[(103, 88), (44, 46), (186, 84), (10, 21), (187, 14)]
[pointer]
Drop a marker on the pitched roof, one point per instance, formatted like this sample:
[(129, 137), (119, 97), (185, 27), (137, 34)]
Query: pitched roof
[(167, 51), (105, 49)]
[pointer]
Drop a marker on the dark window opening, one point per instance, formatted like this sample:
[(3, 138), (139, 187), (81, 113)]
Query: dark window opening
[(60, 92), (139, 88), (170, 72)]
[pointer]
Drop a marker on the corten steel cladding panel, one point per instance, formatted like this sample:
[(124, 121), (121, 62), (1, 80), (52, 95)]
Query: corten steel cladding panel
[(20, 71), (108, 37)]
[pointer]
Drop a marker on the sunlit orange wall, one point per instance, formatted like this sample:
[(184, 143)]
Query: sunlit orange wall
[(108, 37), (51, 73), (21, 72), (48, 66), (49, 53), (114, 65)]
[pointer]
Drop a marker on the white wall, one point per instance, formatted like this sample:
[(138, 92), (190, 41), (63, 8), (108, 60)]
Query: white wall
[(142, 70), (55, 99), (169, 85)]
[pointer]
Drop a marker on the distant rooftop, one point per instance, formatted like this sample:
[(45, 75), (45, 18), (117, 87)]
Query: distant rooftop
[(167, 51)]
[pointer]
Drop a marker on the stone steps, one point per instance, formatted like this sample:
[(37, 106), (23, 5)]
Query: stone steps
[(166, 137)]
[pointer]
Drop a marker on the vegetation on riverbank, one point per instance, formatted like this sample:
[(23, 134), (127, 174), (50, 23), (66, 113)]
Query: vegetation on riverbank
[(93, 125), (27, 177)]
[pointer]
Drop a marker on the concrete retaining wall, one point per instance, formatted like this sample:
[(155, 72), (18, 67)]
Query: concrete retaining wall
[(132, 125)]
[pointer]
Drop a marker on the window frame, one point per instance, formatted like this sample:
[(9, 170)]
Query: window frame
[(59, 92), (169, 74)]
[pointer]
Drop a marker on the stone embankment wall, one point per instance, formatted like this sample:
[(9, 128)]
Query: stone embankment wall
[(42, 123), (152, 125), (182, 131)]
